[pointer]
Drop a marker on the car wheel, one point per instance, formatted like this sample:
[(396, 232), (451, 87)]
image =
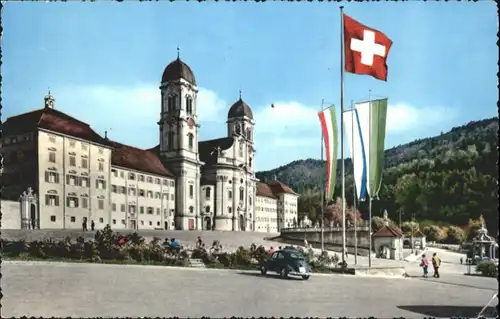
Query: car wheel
[(284, 272), (305, 277), (263, 270)]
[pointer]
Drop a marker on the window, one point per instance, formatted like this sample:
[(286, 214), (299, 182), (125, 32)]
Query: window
[(229, 210), (123, 190), (191, 209), (165, 182), (150, 179), (85, 202), (122, 208), (191, 191), (132, 192), (101, 166), (158, 211), (141, 209), (52, 139), (172, 183), (131, 176), (122, 174), (51, 200), (52, 177), (114, 188), (249, 134), (72, 202), (241, 149), (207, 209), (131, 209), (71, 143), (242, 194), (72, 219), (250, 162), (150, 210), (52, 157), (171, 212), (189, 105), (72, 160), (170, 140), (142, 223), (101, 150), (172, 197), (157, 223), (71, 180), (172, 103), (85, 163), (230, 194), (114, 221), (52, 218), (141, 178), (141, 192), (157, 181), (100, 204), (100, 184), (115, 172), (190, 141), (207, 193), (101, 220), (123, 221), (165, 212), (113, 207), (84, 182), (157, 195), (84, 147), (150, 194)]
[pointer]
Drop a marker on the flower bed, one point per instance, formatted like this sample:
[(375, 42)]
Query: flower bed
[(110, 247)]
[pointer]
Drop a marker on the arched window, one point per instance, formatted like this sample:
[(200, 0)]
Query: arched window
[(207, 209), (250, 162), (191, 209), (172, 103), (191, 141), (241, 149), (249, 134), (207, 192), (237, 128), (171, 137), (229, 210), (189, 105)]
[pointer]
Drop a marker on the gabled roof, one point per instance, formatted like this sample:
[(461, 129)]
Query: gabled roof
[(52, 120), (280, 188), (264, 190), (56, 121), (138, 159), (388, 231), (207, 150)]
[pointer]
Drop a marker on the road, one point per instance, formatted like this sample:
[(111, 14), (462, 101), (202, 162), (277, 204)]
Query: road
[(95, 290)]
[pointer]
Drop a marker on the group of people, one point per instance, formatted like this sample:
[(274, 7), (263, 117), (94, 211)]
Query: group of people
[(84, 225), (436, 263)]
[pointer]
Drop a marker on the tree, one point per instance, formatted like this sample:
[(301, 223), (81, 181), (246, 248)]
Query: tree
[(434, 233), (409, 227), (456, 235)]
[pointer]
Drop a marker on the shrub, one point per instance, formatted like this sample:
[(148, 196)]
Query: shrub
[(456, 235), (259, 253), (434, 233), (241, 257), (487, 268)]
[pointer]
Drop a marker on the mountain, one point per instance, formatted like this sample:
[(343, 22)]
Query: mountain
[(424, 176)]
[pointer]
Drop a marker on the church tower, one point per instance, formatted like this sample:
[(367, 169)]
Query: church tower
[(179, 140), (240, 126)]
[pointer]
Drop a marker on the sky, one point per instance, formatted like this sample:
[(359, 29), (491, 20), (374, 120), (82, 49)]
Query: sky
[(103, 64)]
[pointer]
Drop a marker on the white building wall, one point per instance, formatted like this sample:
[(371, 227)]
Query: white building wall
[(266, 217)]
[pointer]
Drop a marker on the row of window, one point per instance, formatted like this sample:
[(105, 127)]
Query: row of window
[(132, 191), (84, 162), (172, 104), (171, 139), (141, 178), (72, 143), (101, 221), (16, 139), (74, 180)]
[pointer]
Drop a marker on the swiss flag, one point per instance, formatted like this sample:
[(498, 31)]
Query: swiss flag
[(365, 49)]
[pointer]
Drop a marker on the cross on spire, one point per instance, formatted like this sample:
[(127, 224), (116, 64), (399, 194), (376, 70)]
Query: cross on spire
[(240, 94), (178, 53)]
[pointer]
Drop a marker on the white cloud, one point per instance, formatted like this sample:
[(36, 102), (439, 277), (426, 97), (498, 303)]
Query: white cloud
[(405, 118), (132, 113)]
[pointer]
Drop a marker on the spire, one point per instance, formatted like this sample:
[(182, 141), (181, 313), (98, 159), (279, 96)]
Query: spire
[(49, 100), (178, 53), (240, 95)]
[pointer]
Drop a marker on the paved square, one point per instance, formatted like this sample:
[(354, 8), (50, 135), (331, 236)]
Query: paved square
[(91, 290)]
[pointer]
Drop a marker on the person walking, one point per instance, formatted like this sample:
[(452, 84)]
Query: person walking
[(424, 263), (436, 262), (92, 225)]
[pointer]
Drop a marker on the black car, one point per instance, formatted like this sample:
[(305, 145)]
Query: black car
[(286, 263)]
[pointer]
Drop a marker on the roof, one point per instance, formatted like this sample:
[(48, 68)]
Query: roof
[(177, 69), (52, 120), (388, 231), (280, 188), (240, 109), (273, 189), (207, 149), (138, 159)]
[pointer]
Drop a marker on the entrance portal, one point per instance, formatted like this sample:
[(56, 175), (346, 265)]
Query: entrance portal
[(166, 225), (33, 216), (208, 223), (242, 223), (132, 224)]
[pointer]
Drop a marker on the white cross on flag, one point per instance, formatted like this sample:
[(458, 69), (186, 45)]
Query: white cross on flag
[(365, 49)]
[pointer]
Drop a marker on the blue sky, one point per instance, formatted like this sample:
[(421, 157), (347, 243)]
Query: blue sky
[(103, 63)]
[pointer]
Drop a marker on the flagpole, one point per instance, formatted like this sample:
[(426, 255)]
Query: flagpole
[(342, 172), (371, 190), (354, 189), (322, 188)]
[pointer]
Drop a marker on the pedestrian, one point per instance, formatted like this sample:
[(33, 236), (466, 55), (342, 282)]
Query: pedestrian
[(84, 224), (199, 242), (436, 262), (271, 251), (461, 260), (92, 225), (424, 263), (346, 254), (306, 244)]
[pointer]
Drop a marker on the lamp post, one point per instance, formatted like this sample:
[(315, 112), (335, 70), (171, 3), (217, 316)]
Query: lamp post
[(401, 212)]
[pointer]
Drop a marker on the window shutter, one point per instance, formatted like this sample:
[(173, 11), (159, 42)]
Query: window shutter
[(46, 176)]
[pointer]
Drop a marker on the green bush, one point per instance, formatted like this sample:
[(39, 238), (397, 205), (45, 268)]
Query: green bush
[(487, 268), (241, 257)]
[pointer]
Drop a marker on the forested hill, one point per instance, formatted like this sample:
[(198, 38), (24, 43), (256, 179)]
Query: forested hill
[(424, 176)]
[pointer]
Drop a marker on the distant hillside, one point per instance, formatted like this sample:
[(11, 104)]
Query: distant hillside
[(306, 174), (449, 178)]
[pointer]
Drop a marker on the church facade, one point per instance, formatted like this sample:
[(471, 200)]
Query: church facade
[(182, 183)]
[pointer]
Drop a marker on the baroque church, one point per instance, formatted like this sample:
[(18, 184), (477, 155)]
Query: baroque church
[(182, 183)]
